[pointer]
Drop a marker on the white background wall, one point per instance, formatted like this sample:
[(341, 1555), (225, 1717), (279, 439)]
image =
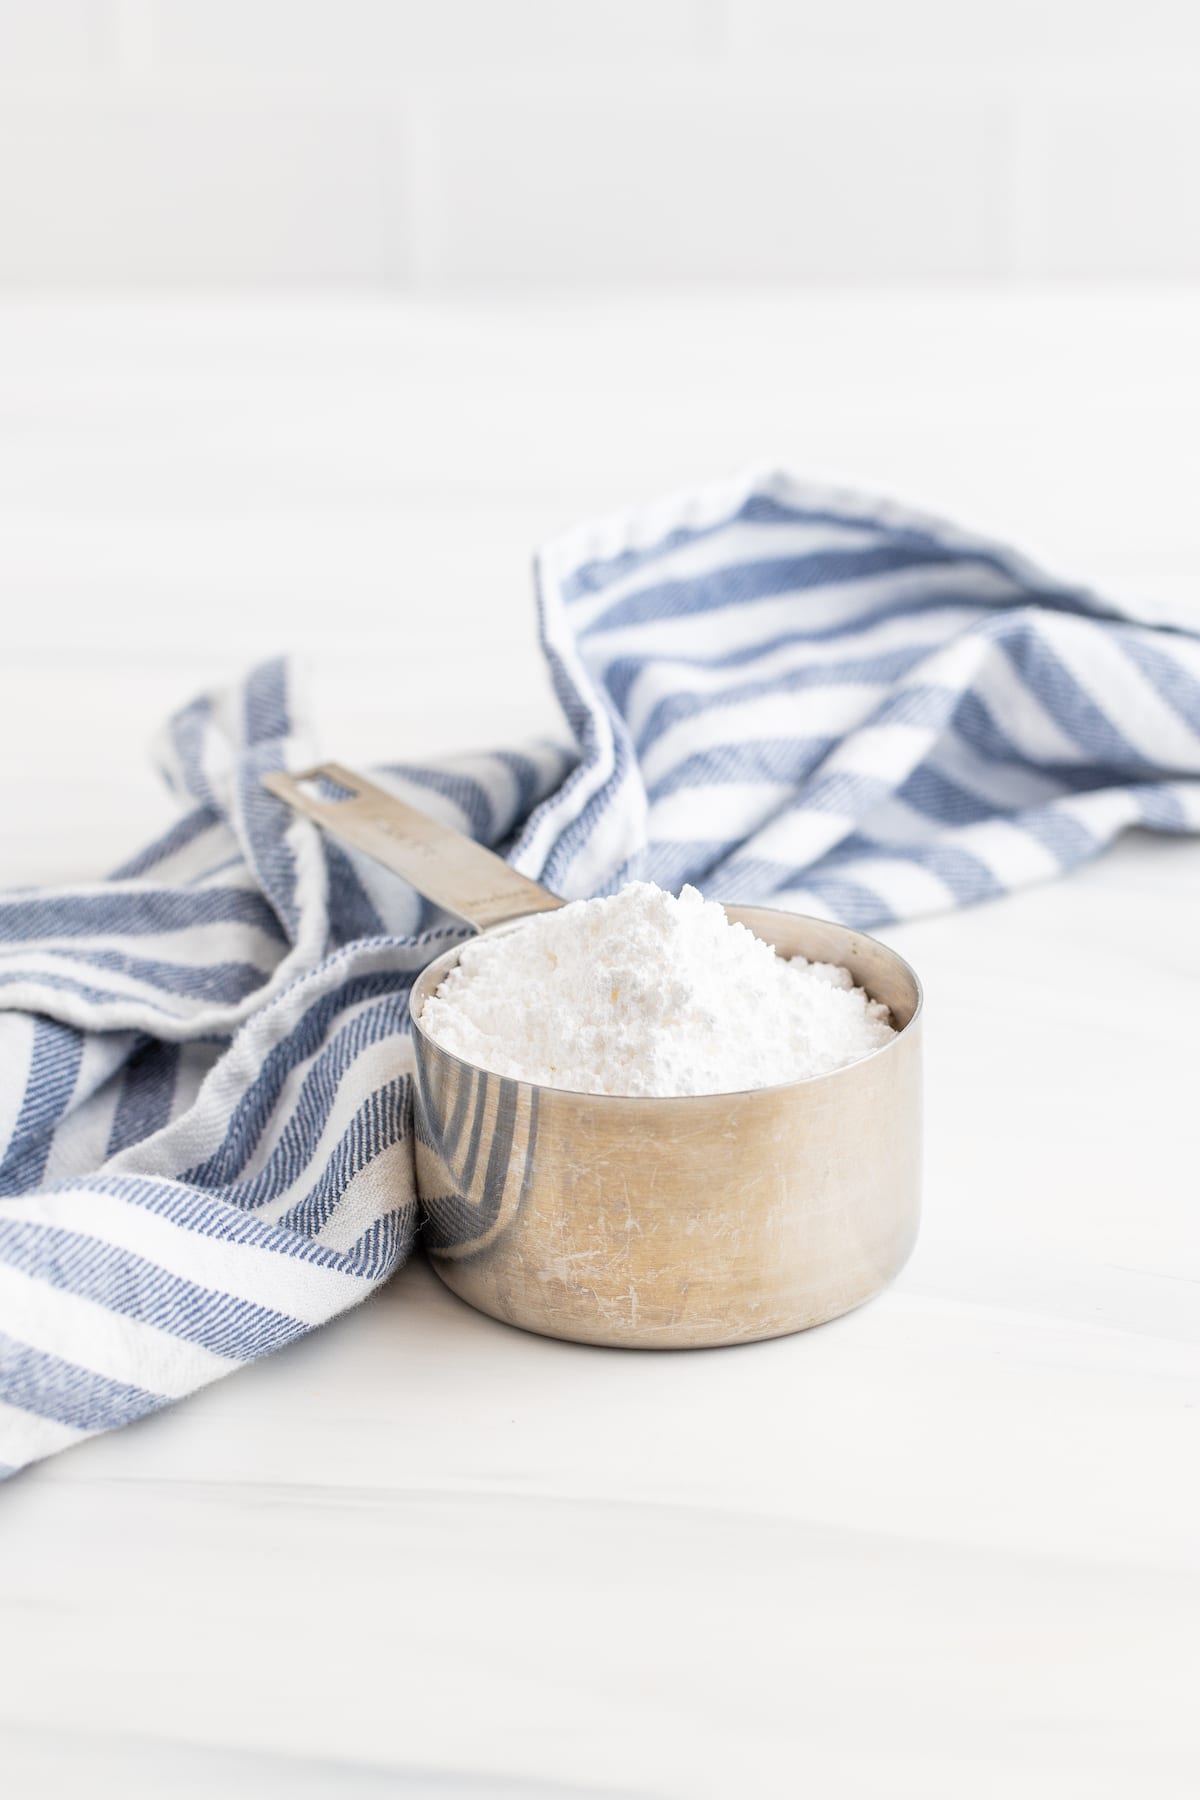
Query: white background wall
[(428, 143)]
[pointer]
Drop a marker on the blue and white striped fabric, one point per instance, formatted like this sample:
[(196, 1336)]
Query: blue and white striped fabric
[(782, 694)]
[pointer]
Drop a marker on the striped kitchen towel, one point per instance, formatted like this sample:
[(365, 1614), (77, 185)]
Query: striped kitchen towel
[(782, 694)]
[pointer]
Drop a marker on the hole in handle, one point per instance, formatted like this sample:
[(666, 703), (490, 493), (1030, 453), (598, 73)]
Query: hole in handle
[(319, 786)]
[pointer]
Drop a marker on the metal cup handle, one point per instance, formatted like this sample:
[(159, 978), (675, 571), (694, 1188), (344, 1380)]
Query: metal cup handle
[(445, 866)]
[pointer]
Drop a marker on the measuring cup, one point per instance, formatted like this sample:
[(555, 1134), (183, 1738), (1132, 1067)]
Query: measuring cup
[(646, 1222)]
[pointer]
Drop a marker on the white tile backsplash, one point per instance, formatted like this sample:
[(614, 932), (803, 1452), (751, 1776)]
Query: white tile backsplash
[(399, 142), (52, 37), (372, 40), (971, 37), (1115, 191), (195, 191), (719, 182)]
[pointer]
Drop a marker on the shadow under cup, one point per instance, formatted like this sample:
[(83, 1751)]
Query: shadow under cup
[(676, 1223)]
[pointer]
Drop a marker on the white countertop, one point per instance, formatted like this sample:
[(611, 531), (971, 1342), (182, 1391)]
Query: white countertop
[(944, 1547)]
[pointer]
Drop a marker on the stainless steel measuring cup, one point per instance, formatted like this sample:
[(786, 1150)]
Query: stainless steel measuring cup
[(646, 1222)]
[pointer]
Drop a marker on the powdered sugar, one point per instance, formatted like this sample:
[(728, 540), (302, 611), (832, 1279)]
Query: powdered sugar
[(642, 993)]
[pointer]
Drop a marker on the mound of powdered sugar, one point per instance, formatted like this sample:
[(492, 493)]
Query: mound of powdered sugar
[(645, 994)]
